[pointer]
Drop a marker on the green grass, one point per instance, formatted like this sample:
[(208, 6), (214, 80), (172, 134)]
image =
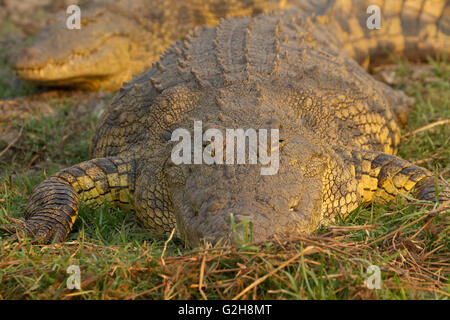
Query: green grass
[(9, 87), (119, 260), (53, 142)]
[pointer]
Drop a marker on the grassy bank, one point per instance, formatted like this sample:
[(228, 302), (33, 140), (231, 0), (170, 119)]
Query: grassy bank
[(408, 240)]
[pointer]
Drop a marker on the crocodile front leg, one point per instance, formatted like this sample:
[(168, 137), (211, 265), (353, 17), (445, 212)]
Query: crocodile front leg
[(53, 206), (382, 176), (378, 177), (154, 206)]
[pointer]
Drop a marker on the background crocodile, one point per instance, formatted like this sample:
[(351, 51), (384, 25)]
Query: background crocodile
[(338, 127), (121, 38)]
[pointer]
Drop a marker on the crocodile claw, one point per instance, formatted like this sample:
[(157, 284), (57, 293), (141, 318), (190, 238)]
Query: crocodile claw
[(13, 226), (38, 231)]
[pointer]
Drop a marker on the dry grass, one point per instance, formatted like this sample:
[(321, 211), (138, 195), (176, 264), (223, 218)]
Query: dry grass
[(331, 265)]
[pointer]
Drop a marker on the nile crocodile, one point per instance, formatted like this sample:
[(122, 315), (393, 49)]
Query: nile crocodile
[(296, 71)]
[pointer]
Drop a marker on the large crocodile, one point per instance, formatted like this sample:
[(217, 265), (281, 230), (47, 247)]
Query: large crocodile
[(294, 71)]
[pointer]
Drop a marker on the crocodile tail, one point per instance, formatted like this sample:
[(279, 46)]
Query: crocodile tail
[(412, 28), (53, 207)]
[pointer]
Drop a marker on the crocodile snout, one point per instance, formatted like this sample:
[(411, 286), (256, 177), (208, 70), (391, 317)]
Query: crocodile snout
[(30, 58)]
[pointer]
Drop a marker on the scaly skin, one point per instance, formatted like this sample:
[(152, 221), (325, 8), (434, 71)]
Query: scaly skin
[(338, 129), (119, 38)]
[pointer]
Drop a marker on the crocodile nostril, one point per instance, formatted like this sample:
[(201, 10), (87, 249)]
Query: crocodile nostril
[(293, 205), (27, 59), (212, 207), (31, 52)]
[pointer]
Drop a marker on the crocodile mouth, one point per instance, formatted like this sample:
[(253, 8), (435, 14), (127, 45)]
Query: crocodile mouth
[(88, 69), (38, 76), (212, 221), (76, 71)]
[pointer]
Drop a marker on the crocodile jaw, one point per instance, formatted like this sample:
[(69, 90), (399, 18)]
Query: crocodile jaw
[(106, 67)]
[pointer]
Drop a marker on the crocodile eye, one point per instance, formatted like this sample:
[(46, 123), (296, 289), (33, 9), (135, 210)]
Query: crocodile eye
[(166, 135)]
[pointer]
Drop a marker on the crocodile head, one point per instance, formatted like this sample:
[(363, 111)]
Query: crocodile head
[(103, 54), (281, 202)]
